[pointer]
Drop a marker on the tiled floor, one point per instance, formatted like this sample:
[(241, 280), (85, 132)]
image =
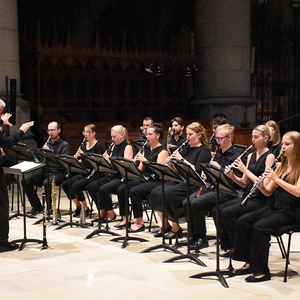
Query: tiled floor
[(77, 268)]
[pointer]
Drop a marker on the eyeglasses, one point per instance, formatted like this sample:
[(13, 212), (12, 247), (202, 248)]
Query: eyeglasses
[(221, 138), (86, 132), (51, 130)]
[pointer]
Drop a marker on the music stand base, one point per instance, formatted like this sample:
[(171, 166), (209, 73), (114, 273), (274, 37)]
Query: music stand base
[(24, 241), (99, 231), (48, 219), (126, 239), (71, 224), (16, 215), (163, 246), (216, 273), (190, 256)]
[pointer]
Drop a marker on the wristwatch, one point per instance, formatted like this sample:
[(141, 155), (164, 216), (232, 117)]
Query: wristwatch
[(182, 159)]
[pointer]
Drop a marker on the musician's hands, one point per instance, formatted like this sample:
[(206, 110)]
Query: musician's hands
[(77, 154), (24, 127), (140, 157), (5, 118), (238, 164), (215, 164), (106, 156), (269, 173), (176, 155)]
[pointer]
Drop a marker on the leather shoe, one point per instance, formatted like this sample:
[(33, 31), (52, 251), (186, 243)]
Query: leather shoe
[(159, 234), (35, 210), (199, 244), (8, 247), (260, 279), (241, 271), (77, 212), (174, 235), (227, 254), (142, 228), (121, 226)]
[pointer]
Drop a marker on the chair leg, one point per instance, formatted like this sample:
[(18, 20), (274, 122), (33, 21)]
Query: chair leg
[(287, 258), (281, 246)]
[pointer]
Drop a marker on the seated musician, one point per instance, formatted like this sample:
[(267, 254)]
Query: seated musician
[(138, 190), (42, 177), (80, 181), (257, 162), (254, 229), (110, 182), (201, 205), (177, 135), (195, 152)]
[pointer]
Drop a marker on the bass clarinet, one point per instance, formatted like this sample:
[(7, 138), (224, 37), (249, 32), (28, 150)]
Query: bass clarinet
[(260, 181), (240, 157)]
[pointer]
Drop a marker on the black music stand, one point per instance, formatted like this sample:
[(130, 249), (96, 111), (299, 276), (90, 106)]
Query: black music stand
[(221, 183), (49, 156), (72, 165), (137, 145), (22, 153), (99, 165), (20, 170), (165, 173), (191, 177), (128, 170)]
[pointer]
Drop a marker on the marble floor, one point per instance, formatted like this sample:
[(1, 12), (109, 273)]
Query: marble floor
[(73, 267)]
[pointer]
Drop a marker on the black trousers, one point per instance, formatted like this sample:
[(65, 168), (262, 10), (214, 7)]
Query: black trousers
[(200, 206), (4, 210), (41, 179), (229, 214), (78, 184), (254, 232), (139, 193)]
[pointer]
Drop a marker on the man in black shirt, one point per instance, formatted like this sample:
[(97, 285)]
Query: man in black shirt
[(58, 146), (7, 142), (178, 137)]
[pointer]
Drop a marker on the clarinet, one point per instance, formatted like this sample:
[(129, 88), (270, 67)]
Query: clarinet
[(80, 148), (259, 182), (240, 157), (178, 149), (108, 151), (142, 149)]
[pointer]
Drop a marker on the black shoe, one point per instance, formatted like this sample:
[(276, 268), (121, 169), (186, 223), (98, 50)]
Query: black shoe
[(8, 247), (77, 212), (35, 210), (227, 254), (49, 213), (119, 226), (174, 235), (241, 271), (199, 244), (260, 279), (159, 234), (142, 228)]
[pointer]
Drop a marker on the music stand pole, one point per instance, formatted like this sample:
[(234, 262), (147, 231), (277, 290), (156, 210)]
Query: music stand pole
[(161, 170), (96, 161), (188, 255), (125, 168), (217, 180), (18, 170)]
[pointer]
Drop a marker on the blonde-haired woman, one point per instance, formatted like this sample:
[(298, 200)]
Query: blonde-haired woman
[(109, 184), (254, 229), (257, 162), (275, 140)]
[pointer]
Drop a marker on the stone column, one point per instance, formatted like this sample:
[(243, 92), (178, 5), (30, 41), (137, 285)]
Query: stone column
[(222, 50), (9, 60)]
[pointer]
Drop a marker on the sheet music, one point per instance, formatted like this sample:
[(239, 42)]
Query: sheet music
[(25, 166)]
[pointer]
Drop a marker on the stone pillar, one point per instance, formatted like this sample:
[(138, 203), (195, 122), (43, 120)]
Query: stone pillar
[(9, 60), (222, 50)]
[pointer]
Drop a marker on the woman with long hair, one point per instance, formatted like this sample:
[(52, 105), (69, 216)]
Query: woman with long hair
[(254, 229)]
